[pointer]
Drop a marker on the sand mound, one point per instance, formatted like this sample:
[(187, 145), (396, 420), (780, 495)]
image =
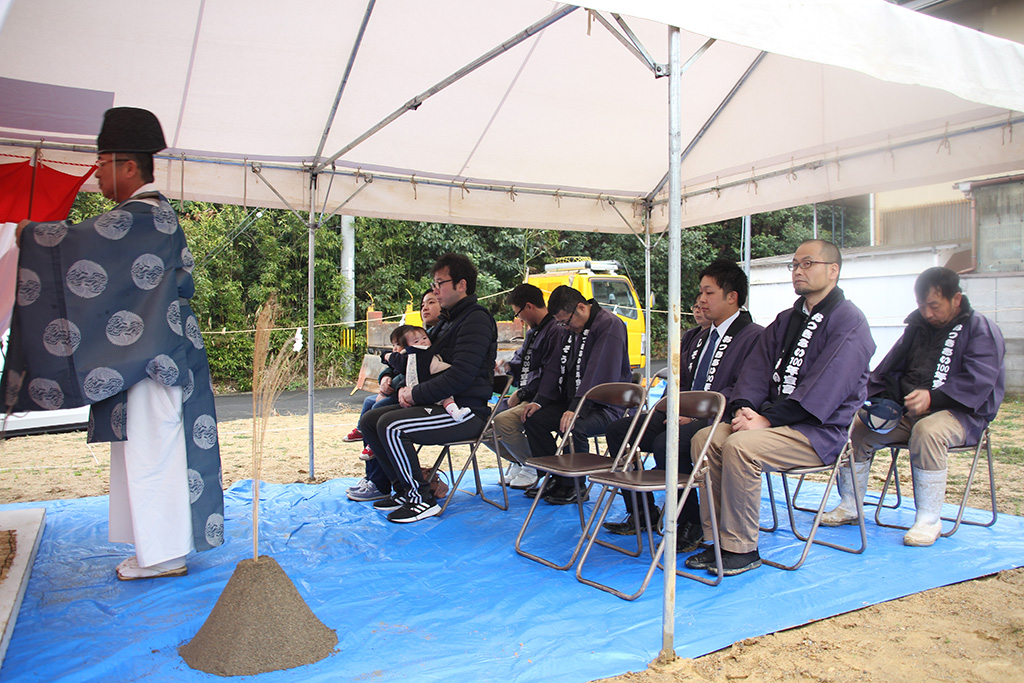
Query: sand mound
[(260, 623)]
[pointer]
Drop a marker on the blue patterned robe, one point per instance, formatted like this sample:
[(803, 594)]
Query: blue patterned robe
[(102, 305)]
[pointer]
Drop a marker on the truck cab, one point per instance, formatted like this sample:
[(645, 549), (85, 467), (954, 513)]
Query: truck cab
[(601, 281)]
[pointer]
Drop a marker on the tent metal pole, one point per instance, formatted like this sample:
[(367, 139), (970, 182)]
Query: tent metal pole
[(714, 116), (675, 219), (633, 44), (648, 304), (258, 171), (415, 102), (344, 79), (310, 281)]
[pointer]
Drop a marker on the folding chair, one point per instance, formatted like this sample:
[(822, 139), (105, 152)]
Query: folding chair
[(572, 464), (700, 405), (502, 383), (796, 495), (984, 442), (845, 458)]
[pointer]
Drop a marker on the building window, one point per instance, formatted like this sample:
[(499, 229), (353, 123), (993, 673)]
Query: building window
[(1000, 215)]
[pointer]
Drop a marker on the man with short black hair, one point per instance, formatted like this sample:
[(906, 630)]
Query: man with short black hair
[(103, 319), (713, 358), (791, 406), (596, 352), (534, 367), (947, 373), (466, 337)]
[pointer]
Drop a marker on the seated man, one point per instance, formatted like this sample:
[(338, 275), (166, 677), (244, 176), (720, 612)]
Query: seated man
[(534, 364), (468, 336), (947, 372), (596, 352), (712, 363), (791, 406)]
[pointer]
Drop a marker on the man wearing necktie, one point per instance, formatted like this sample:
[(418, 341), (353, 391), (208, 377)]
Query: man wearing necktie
[(712, 359)]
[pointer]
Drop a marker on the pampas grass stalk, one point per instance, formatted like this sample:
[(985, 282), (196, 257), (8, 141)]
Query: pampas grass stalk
[(270, 375)]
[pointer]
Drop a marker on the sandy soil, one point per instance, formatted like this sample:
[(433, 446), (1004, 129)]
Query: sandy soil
[(973, 631)]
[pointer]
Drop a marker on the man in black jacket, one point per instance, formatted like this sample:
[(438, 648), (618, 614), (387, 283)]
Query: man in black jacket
[(468, 339)]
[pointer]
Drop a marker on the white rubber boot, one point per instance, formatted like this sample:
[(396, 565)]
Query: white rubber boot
[(929, 494), (846, 511)]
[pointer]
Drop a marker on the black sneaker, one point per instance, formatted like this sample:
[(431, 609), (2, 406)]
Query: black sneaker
[(414, 512), (392, 502), (689, 536), (705, 559), (737, 563)]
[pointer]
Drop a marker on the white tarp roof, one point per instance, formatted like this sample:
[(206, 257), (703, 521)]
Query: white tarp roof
[(541, 136)]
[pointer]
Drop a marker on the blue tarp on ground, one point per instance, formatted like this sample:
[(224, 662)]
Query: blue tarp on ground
[(446, 598)]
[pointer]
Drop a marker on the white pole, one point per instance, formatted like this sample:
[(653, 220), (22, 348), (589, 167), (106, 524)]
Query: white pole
[(348, 269), (675, 312), (871, 217), (747, 235), (649, 303), (311, 270)]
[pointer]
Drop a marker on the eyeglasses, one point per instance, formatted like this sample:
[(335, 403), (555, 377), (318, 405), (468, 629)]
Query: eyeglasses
[(565, 323), (804, 265), (515, 313), (100, 163), (436, 284)]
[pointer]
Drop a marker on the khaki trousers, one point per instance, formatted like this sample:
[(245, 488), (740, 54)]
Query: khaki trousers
[(929, 437), (512, 443), (736, 461)]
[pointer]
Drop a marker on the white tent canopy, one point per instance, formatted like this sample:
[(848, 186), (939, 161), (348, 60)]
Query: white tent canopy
[(523, 113), (793, 102)]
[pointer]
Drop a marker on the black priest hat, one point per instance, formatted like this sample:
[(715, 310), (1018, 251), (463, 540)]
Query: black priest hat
[(128, 129)]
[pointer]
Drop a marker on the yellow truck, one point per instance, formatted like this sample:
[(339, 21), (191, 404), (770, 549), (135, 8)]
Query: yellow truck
[(600, 280)]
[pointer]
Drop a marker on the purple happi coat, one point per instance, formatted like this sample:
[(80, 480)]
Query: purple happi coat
[(733, 348), (832, 381), (976, 378), (605, 359)]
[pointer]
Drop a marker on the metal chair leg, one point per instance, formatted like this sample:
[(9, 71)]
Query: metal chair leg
[(866, 502), (585, 526), (809, 538), (958, 520), (985, 442), (771, 503), (656, 554)]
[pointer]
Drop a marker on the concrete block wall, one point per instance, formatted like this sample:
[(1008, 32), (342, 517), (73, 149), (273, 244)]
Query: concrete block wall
[(1001, 297)]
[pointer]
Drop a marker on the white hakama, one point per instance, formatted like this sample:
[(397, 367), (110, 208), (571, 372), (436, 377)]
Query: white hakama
[(149, 494)]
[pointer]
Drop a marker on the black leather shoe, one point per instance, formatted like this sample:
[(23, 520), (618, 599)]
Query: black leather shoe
[(705, 559), (689, 536), (563, 495), (623, 528), (737, 563), (626, 527), (535, 489)]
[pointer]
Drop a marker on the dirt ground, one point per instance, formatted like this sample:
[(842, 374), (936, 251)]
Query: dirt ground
[(973, 631)]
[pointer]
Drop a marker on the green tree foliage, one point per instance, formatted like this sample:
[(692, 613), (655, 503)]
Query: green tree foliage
[(243, 255)]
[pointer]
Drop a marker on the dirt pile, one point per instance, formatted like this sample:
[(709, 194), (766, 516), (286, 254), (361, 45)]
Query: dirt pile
[(260, 623)]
